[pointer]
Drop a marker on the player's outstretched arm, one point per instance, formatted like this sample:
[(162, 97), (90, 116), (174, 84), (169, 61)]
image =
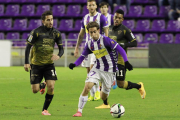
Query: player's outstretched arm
[(77, 63), (123, 54), (79, 41)]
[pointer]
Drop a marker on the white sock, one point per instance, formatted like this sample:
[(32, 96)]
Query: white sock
[(97, 86), (92, 91), (82, 102)]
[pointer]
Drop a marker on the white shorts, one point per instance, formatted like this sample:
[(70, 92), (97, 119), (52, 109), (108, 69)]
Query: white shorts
[(106, 78), (89, 60)]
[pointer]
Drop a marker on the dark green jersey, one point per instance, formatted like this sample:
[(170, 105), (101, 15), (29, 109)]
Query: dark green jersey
[(43, 42), (121, 34)]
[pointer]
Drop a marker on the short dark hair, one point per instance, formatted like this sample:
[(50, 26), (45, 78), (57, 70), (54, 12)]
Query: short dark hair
[(91, 1), (120, 11), (92, 24), (43, 16), (103, 3)]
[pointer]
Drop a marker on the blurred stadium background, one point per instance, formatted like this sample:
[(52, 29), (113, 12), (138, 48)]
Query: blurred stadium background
[(158, 47), (148, 21)]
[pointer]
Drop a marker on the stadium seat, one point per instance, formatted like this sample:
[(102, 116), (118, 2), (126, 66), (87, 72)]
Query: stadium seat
[(59, 10), (6, 24), (66, 25), (135, 11), (34, 1), (28, 10), (13, 36), (123, 7), (12, 10), (77, 25), (20, 24), (139, 38), (73, 10), (158, 25), (163, 12), (129, 23), (151, 38), (2, 36), (153, 1), (141, 1), (173, 26), (41, 9), (5, 1), (80, 1), (177, 38), (49, 1), (25, 35), (150, 11), (73, 36), (18, 1), (55, 23), (142, 25), (65, 1), (34, 23), (84, 11), (1, 10), (63, 36), (166, 38)]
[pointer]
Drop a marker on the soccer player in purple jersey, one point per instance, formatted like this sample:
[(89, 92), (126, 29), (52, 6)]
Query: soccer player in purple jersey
[(105, 67), (88, 62), (104, 7)]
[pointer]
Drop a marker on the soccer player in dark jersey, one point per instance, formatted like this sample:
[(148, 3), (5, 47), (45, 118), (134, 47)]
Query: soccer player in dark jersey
[(125, 38), (43, 40)]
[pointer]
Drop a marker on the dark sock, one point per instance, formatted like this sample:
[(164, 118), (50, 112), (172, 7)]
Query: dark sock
[(105, 102), (48, 99), (42, 85), (133, 85)]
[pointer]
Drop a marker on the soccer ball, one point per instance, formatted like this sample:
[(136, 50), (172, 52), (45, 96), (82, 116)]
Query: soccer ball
[(117, 110)]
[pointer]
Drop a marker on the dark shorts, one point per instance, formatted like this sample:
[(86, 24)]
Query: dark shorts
[(121, 73), (38, 72)]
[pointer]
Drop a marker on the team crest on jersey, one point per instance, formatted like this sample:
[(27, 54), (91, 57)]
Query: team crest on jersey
[(54, 35), (119, 32), (100, 46), (112, 42)]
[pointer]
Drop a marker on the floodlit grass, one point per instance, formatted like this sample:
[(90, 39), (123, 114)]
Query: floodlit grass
[(17, 102)]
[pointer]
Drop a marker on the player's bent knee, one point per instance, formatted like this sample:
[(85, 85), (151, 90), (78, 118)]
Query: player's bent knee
[(120, 84), (51, 88), (35, 90)]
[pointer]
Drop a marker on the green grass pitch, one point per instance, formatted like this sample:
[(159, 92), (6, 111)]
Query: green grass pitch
[(162, 102)]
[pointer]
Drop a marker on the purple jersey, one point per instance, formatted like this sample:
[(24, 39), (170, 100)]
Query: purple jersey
[(99, 18), (105, 50)]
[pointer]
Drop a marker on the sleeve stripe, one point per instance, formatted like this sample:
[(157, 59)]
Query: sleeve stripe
[(115, 46), (29, 43), (83, 55), (60, 44), (133, 40)]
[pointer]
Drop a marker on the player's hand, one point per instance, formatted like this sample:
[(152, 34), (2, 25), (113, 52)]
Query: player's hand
[(72, 65), (128, 66), (27, 67), (76, 51), (55, 57)]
